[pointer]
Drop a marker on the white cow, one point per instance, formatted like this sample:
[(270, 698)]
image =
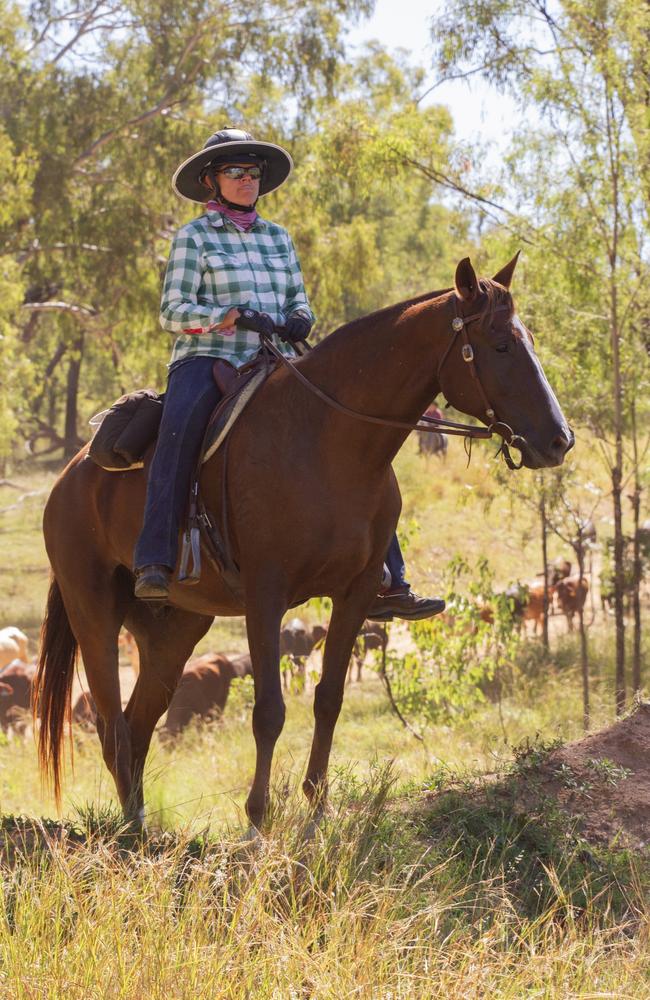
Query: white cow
[(13, 645)]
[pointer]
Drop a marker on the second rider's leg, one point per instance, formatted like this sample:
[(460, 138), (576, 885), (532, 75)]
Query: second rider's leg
[(398, 600)]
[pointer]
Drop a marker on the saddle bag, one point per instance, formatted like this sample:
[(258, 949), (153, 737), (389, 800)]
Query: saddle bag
[(124, 432)]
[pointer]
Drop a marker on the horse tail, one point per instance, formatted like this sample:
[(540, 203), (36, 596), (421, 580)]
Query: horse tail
[(53, 685)]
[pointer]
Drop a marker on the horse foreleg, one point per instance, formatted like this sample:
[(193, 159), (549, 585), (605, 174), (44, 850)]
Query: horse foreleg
[(347, 618), (263, 625)]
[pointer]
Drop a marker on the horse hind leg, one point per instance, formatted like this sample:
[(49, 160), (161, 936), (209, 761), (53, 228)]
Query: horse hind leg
[(95, 613), (164, 646)]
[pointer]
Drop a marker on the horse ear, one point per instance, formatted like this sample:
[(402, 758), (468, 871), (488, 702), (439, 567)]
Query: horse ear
[(466, 280), (504, 277)]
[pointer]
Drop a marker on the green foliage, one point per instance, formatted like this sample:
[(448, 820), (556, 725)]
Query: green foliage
[(462, 657), (607, 573), (109, 102), (241, 698)]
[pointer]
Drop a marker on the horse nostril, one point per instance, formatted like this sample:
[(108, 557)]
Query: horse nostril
[(562, 443)]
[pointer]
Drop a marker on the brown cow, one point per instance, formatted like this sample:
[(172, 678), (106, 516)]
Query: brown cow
[(297, 640), (533, 609), (203, 689), (559, 570), (127, 645), (16, 694), (572, 594), (527, 603), (84, 712), (373, 635)]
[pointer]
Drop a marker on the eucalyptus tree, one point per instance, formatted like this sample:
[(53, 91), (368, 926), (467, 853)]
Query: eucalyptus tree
[(103, 99), (578, 177)]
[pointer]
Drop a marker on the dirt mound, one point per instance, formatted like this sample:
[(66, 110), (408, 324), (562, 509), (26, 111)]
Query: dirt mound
[(603, 780)]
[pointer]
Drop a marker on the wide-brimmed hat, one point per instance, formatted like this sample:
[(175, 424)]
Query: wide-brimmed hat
[(227, 146)]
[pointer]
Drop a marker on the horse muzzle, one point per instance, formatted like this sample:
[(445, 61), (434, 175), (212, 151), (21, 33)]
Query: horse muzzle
[(546, 456)]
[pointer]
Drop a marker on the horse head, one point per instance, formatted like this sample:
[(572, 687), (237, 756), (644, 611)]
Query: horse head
[(495, 374)]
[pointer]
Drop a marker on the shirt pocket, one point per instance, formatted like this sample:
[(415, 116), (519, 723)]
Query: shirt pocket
[(224, 272), (276, 266)]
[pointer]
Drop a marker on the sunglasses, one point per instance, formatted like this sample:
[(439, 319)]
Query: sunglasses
[(236, 173)]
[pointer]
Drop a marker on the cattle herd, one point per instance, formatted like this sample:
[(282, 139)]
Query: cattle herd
[(567, 593), (203, 690)]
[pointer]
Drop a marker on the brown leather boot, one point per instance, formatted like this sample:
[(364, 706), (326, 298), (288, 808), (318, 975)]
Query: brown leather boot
[(152, 583), (404, 604)]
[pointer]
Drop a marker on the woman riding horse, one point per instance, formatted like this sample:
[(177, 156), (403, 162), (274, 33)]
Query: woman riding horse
[(231, 276)]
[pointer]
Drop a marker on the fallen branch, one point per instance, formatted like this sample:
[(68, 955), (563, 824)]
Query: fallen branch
[(391, 698), (21, 499)]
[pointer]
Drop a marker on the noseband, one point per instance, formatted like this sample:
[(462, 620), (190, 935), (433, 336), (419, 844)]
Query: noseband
[(459, 325)]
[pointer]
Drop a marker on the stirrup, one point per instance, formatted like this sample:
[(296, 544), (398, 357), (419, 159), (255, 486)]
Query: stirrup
[(191, 545)]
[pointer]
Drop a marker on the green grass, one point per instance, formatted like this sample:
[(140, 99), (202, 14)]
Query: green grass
[(202, 779), (379, 903), (424, 881)]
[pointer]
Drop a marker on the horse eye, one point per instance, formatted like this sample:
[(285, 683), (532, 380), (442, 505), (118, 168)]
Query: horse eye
[(502, 348)]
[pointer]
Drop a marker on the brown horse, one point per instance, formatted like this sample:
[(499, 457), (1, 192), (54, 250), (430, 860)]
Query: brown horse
[(312, 504)]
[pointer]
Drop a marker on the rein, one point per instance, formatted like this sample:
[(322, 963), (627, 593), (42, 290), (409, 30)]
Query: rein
[(440, 425), (425, 423)]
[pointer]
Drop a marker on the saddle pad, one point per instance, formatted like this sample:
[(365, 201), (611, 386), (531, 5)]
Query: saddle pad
[(225, 415)]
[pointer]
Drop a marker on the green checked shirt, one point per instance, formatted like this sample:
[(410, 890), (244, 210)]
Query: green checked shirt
[(214, 266)]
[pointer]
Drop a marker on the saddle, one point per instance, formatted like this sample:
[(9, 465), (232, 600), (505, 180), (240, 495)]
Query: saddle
[(125, 431), (238, 385)]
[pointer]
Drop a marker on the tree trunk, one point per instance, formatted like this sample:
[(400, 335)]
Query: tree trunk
[(70, 437), (617, 477), (584, 654), (637, 567), (544, 526), (619, 595)]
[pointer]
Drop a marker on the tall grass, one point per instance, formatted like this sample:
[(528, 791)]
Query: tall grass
[(367, 908), (418, 884)]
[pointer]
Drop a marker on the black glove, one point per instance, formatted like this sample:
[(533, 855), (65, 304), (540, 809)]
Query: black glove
[(296, 328), (250, 319)]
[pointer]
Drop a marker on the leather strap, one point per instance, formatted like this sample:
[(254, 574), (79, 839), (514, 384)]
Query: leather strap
[(439, 424)]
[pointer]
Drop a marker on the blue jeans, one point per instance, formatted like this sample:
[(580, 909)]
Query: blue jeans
[(190, 399), (396, 567)]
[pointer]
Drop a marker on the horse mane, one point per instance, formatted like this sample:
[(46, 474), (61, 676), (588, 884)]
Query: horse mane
[(492, 293), (381, 315), (495, 295)]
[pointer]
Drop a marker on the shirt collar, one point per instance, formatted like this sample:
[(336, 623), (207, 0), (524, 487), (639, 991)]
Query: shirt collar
[(216, 219)]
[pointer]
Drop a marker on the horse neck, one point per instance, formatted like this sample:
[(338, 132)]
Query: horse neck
[(384, 365)]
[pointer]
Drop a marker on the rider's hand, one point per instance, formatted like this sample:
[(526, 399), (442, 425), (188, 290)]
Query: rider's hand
[(250, 319), (296, 328)]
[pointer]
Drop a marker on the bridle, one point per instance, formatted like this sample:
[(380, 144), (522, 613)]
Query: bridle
[(459, 325), (426, 423)]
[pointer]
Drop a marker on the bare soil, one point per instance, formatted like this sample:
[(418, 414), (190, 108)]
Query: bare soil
[(603, 781)]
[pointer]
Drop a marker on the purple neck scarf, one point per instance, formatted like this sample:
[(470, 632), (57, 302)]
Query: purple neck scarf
[(242, 219)]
